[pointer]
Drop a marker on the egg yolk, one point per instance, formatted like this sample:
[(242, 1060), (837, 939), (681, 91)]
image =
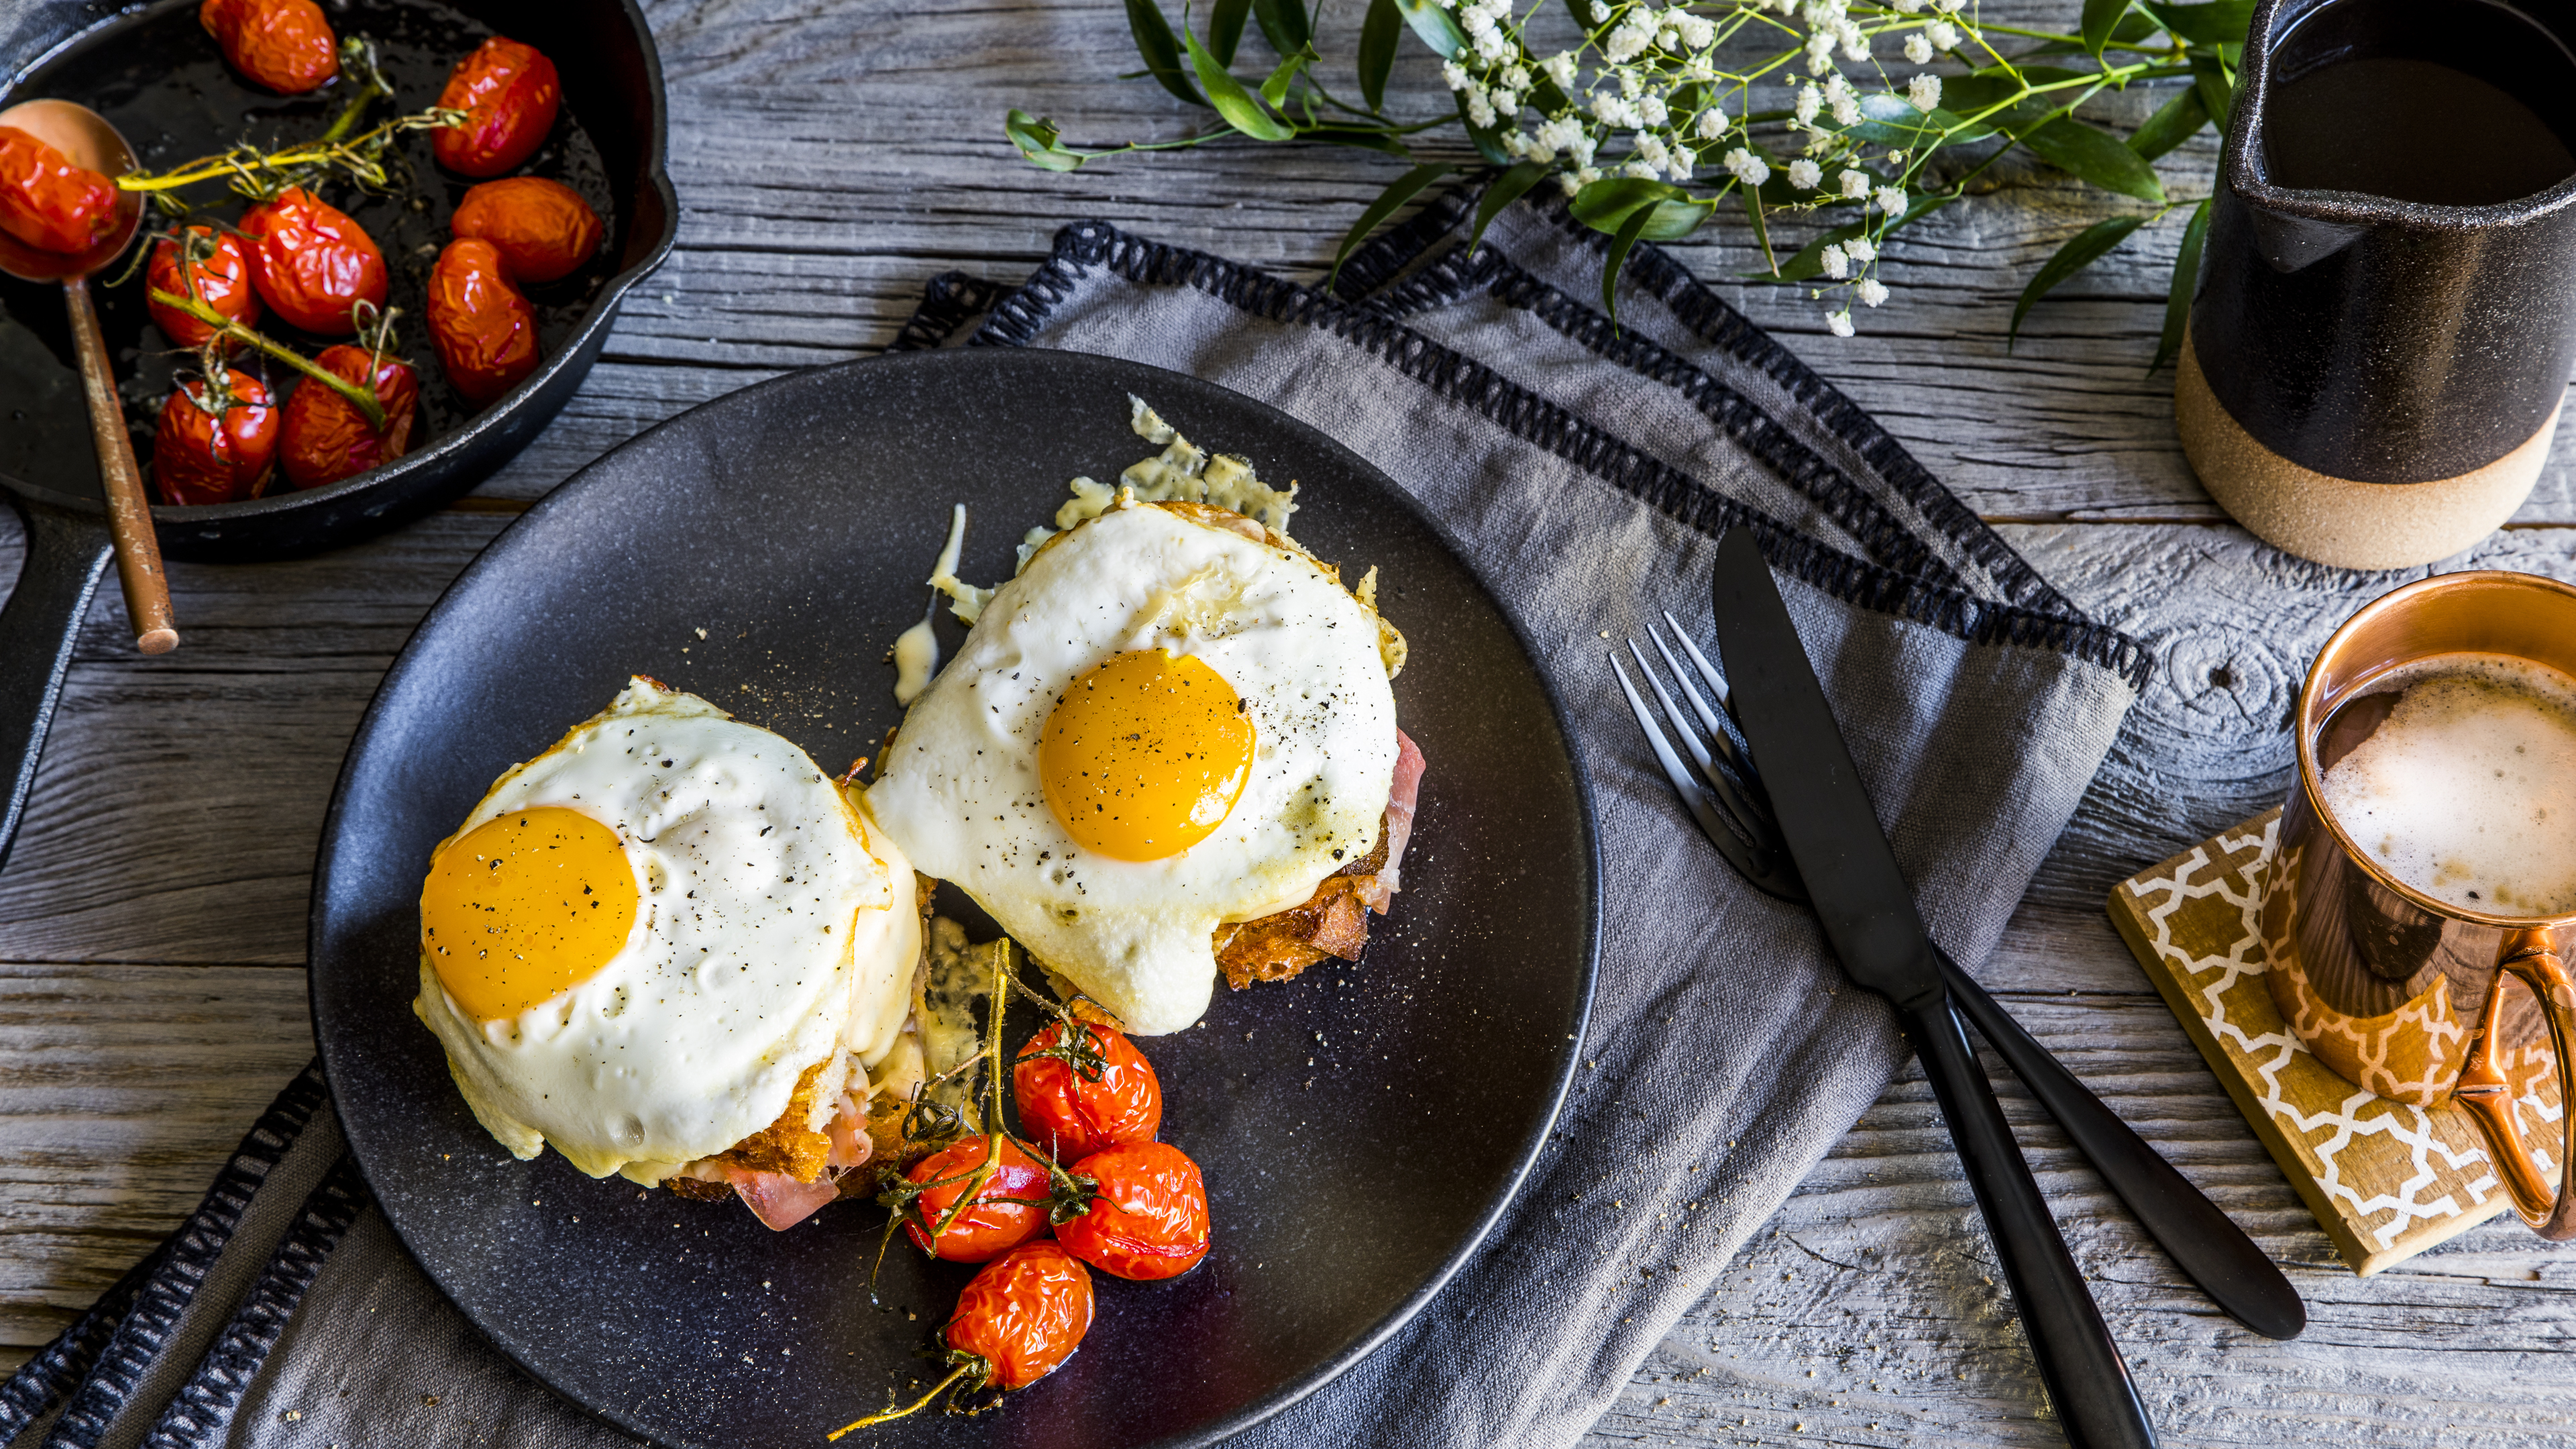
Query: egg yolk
[(525, 906), (1145, 754)]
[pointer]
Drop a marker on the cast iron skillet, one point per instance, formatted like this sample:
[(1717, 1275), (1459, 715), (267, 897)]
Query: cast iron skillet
[(1360, 1127), (156, 75)]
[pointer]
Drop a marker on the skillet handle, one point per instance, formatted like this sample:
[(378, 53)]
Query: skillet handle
[(66, 554), (2087, 1381)]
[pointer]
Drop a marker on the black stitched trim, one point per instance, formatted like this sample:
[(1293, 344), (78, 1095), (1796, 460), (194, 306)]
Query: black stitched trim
[(199, 1413), (1083, 246), (1391, 251), (189, 1255), (950, 301), (1707, 315), (1887, 540), (41, 1381)]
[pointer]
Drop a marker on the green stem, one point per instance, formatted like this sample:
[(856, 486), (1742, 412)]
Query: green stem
[(363, 399)]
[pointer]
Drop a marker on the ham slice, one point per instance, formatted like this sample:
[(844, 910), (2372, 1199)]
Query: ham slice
[(1402, 796), (778, 1200)]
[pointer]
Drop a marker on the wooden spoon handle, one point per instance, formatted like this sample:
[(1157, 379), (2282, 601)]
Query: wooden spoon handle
[(129, 515)]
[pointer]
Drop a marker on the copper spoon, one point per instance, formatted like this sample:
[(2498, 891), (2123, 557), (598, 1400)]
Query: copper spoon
[(85, 136)]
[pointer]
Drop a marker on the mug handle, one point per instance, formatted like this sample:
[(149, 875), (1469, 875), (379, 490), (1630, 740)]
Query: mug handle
[(2488, 1096)]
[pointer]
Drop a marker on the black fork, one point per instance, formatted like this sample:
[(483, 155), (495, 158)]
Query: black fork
[(1720, 785)]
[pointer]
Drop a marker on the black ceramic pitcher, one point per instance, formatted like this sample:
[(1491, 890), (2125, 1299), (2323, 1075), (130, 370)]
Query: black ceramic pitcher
[(2383, 329)]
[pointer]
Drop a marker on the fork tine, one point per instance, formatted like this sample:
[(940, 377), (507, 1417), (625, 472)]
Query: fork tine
[(1681, 681), (1673, 712), (1764, 868), (1717, 685), (1735, 795)]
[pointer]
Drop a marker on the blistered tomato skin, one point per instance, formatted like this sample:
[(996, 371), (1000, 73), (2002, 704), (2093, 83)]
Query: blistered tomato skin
[(196, 459), (219, 277), (1008, 1211), (312, 263), (510, 94), (325, 438), (49, 202), (284, 45), (543, 229), (485, 331), (1069, 1116), (1149, 1219), (1024, 1313)]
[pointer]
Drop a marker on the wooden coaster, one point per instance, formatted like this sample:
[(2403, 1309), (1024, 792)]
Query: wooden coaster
[(2386, 1180)]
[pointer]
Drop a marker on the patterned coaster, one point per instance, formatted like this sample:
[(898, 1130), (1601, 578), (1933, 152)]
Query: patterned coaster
[(2385, 1179)]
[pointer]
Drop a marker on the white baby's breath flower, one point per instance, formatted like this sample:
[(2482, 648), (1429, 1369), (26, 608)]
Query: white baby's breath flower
[(1627, 42), (1837, 88), (1917, 49), (1638, 169), (1810, 100), (1631, 84), (1651, 111), (1587, 174), (1566, 183), (1516, 77), (1652, 151), (1697, 31), (1855, 44), (1475, 22), (1839, 323), (1847, 111), (1891, 199), (1854, 184), (1924, 91), (1836, 264), (1862, 250), (1942, 34), (1582, 149), (1492, 46), (1907, 7), (1600, 13), (1507, 103), (1805, 174), (1683, 161), (1480, 111), (1607, 108), (1820, 52), (1559, 68), (1712, 124), (1746, 167), (1560, 134), (1872, 291), (1668, 39), (1946, 7), (1455, 75), (1699, 68)]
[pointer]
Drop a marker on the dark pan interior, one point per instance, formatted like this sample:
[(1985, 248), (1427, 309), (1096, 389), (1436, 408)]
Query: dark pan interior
[(1359, 1127)]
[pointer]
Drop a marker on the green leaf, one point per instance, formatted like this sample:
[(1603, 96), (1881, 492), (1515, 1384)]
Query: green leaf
[(2099, 17), (1162, 53), (1436, 26), (1284, 24), (1609, 204), (2081, 251), (1893, 122), (1231, 100), (2132, 28), (2217, 92), (1225, 28), (1761, 230), (1037, 141), (1405, 188), (1378, 36), (1360, 136), (1620, 246), (2186, 277), (1507, 188), (2096, 156), (2175, 122), (1581, 10), (2221, 22), (1488, 139), (1275, 89)]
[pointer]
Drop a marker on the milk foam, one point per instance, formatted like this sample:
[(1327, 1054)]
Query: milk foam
[(2467, 792)]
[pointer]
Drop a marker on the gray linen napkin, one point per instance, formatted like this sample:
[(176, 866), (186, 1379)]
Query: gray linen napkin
[(1586, 470)]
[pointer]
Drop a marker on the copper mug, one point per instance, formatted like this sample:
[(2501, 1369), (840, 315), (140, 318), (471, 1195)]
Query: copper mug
[(2400, 993)]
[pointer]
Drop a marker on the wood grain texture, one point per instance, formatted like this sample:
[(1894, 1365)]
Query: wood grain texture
[(830, 158)]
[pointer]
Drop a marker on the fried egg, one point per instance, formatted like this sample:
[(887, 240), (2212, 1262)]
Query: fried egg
[(1171, 719), (640, 940)]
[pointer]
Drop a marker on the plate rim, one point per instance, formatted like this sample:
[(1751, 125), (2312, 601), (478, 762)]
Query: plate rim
[(565, 495)]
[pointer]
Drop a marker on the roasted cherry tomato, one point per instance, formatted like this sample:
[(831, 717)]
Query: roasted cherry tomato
[(1023, 1314), (327, 439), (48, 201), (284, 45), (210, 266), (1070, 1113), (509, 94), (1010, 1210), (312, 264), (485, 331), (198, 459), (544, 230), (1148, 1217)]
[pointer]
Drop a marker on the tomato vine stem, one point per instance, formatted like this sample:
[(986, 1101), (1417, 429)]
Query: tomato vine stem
[(363, 399)]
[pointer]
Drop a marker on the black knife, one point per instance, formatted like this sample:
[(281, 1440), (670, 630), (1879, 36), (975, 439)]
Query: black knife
[(1869, 916)]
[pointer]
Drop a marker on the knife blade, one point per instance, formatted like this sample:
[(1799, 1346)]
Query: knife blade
[(1869, 916)]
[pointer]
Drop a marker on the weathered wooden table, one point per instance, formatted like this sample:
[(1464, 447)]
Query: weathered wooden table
[(830, 157)]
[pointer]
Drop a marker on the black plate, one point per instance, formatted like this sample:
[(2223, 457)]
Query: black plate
[(1360, 1127)]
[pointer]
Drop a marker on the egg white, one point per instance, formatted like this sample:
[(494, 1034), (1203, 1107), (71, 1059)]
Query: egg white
[(959, 789), (774, 930)]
